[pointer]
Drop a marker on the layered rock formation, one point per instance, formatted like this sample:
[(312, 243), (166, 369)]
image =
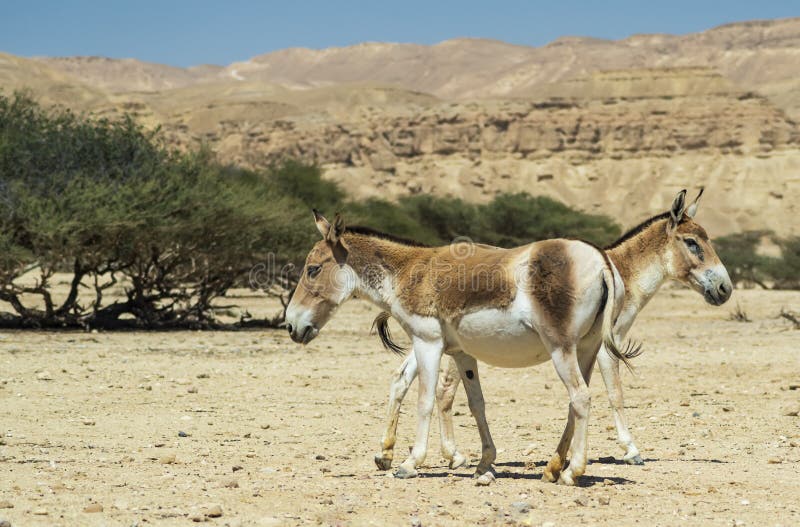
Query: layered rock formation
[(609, 126)]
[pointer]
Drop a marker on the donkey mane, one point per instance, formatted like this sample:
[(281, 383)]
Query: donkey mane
[(639, 228), (369, 231)]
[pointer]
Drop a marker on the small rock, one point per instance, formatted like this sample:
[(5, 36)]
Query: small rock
[(198, 517), (727, 408), (40, 512), (608, 482), (792, 411), (93, 507), (213, 511), (192, 389), (775, 461), (203, 376), (604, 500), (44, 376), (5, 504), (182, 434), (695, 414), (167, 459), (237, 468), (521, 507), (5, 523), (265, 426), (547, 386), (320, 457), (231, 484), (583, 501), (88, 422)]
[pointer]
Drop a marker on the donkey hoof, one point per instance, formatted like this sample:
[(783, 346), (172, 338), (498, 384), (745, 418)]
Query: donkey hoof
[(485, 479), (635, 460), (550, 476), (383, 463), (553, 469), (566, 479), (404, 473), (458, 461)]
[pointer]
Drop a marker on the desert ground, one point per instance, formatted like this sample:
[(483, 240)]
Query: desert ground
[(248, 428)]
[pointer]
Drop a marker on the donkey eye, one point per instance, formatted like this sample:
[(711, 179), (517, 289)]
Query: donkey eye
[(694, 247), (313, 270)]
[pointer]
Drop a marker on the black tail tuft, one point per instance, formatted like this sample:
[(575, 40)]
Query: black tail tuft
[(632, 349), (381, 325)]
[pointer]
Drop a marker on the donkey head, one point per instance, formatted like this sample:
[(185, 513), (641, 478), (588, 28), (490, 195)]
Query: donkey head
[(325, 283), (689, 255)]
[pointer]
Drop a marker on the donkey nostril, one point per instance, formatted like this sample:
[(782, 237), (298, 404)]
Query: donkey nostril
[(723, 288), (289, 327)]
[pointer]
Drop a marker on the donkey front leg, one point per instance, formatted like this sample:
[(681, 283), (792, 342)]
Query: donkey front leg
[(445, 395), (468, 367), (609, 369), (403, 378), (565, 360), (428, 355)]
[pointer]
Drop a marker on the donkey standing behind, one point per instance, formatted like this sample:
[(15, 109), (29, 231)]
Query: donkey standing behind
[(551, 300), (667, 246)]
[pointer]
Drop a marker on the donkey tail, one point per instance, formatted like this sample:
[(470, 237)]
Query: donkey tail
[(632, 349), (381, 325)]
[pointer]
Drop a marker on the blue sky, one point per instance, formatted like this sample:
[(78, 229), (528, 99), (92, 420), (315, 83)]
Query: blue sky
[(185, 33)]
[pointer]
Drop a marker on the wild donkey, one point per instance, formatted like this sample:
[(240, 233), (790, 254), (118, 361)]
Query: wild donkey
[(667, 246), (551, 300)]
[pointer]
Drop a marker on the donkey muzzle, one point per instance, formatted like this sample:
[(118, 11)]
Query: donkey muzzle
[(303, 334), (718, 293)]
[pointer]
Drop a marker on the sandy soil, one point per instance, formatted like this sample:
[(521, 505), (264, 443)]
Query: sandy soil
[(278, 434)]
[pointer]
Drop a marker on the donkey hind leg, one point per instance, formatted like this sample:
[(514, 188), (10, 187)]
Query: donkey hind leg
[(428, 355), (403, 377), (609, 369), (468, 367), (559, 460), (565, 360), (449, 379)]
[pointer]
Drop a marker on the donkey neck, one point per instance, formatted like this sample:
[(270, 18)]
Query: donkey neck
[(641, 261), (376, 262)]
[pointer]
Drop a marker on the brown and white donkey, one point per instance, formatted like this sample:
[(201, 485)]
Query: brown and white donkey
[(551, 300), (667, 246)]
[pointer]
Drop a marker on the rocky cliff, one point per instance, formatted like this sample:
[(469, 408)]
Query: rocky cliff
[(609, 126)]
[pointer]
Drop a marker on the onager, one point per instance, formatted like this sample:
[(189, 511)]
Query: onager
[(551, 300), (668, 246)]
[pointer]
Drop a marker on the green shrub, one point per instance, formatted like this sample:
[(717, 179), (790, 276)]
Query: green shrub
[(514, 219), (785, 271), (739, 253), (105, 200)]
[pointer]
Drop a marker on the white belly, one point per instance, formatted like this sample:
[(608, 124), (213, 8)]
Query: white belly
[(500, 338)]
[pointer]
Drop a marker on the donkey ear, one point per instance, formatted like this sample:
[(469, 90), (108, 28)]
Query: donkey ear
[(691, 210), (336, 230), (323, 225), (677, 208)]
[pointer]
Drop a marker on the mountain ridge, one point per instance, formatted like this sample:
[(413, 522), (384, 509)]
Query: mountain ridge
[(611, 126)]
